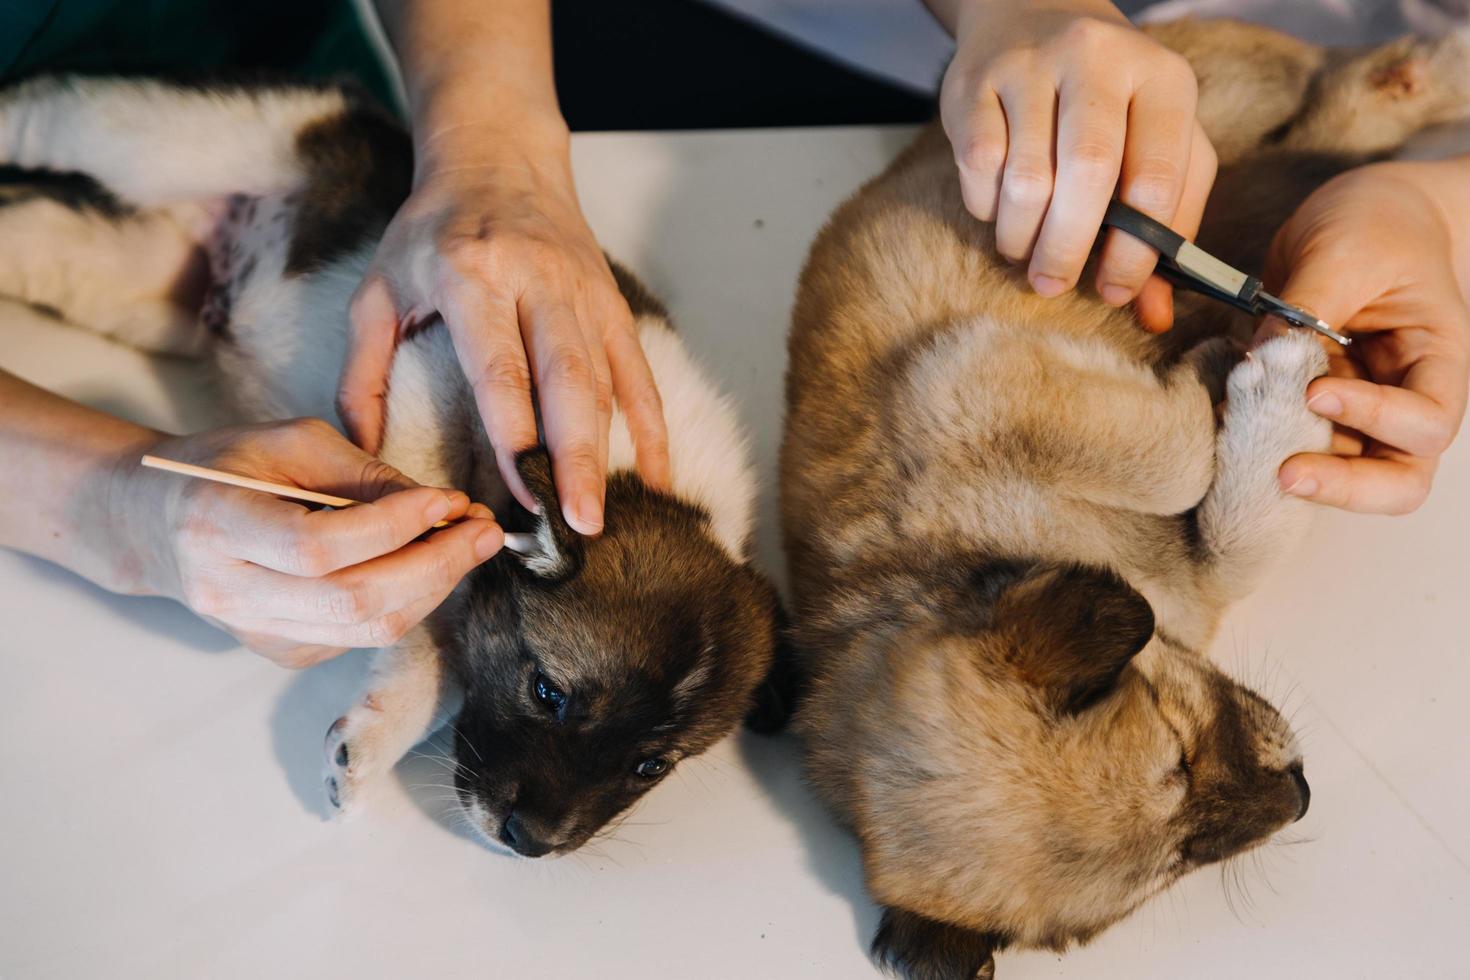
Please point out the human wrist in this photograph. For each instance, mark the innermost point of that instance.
(121, 508)
(454, 129)
(477, 98)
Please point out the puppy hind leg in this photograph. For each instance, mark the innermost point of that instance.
(151, 143)
(1246, 520)
(1370, 104)
(1077, 417)
(136, 276)
(917, 948)
(408, 697)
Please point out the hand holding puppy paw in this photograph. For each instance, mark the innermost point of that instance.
(1375, 252)
(296, 585)
(1050, 107)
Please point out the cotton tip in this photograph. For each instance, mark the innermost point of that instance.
(521, 544)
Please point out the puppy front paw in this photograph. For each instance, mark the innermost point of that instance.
(352, 758)
(1266, 396)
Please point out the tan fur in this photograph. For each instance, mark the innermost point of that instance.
(981, 488)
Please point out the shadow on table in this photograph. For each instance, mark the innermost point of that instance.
(427, 775)
(831, 853)
(162, 617)
(316, 698)
(736, 237)
(723, 246)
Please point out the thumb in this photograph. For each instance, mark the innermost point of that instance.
(348, 471)
(362, 393)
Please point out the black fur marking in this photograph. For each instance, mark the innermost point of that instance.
(1170, 640)
(1192, 536)
(640, 300)
(76, 191)
(1235, 803)
(990, 580)
(917, 948)
(779, 695)
(359, 169)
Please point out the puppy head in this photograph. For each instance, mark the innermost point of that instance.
(1028, 761)
(593, 666)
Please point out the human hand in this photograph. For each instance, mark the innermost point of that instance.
(493, 240)
(292, 584)
(1371, 252)
(1050, 108)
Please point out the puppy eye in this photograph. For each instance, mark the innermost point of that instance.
(548, 693)
(653, 768)
(1184, 766)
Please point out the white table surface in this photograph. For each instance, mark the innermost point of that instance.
(161, 813)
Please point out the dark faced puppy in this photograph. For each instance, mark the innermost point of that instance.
(593, 667)
(588, 666)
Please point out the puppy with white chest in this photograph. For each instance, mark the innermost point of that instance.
(1014, 524)
(582, 671)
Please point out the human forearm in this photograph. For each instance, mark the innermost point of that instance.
(493, 239)
(293, 584)
(61, 462)
(478, 75)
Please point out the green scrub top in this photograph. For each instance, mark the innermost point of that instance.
(316, 39)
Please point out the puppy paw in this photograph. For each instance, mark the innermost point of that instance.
(917, 948)
(351, 760)
(1266, 396)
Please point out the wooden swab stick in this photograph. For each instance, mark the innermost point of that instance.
(519, 543)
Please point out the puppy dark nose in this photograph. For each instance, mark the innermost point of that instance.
(518, 837)
(1303, 791)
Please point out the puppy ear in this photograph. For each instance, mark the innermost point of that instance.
(909, 945)
(777, 697)
(550, 550)
(1071, 629)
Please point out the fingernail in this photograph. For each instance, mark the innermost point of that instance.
(1048, 286)
(438, 509)
(480, 512)
(1325, 403)
(1114, 295)
(1303, 486)
(488, 543)
(586, 518)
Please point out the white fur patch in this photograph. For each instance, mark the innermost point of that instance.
(201, 143)
(708, 449)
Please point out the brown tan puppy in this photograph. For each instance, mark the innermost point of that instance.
(1014, 524)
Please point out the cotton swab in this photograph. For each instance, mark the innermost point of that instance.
(519, 543)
